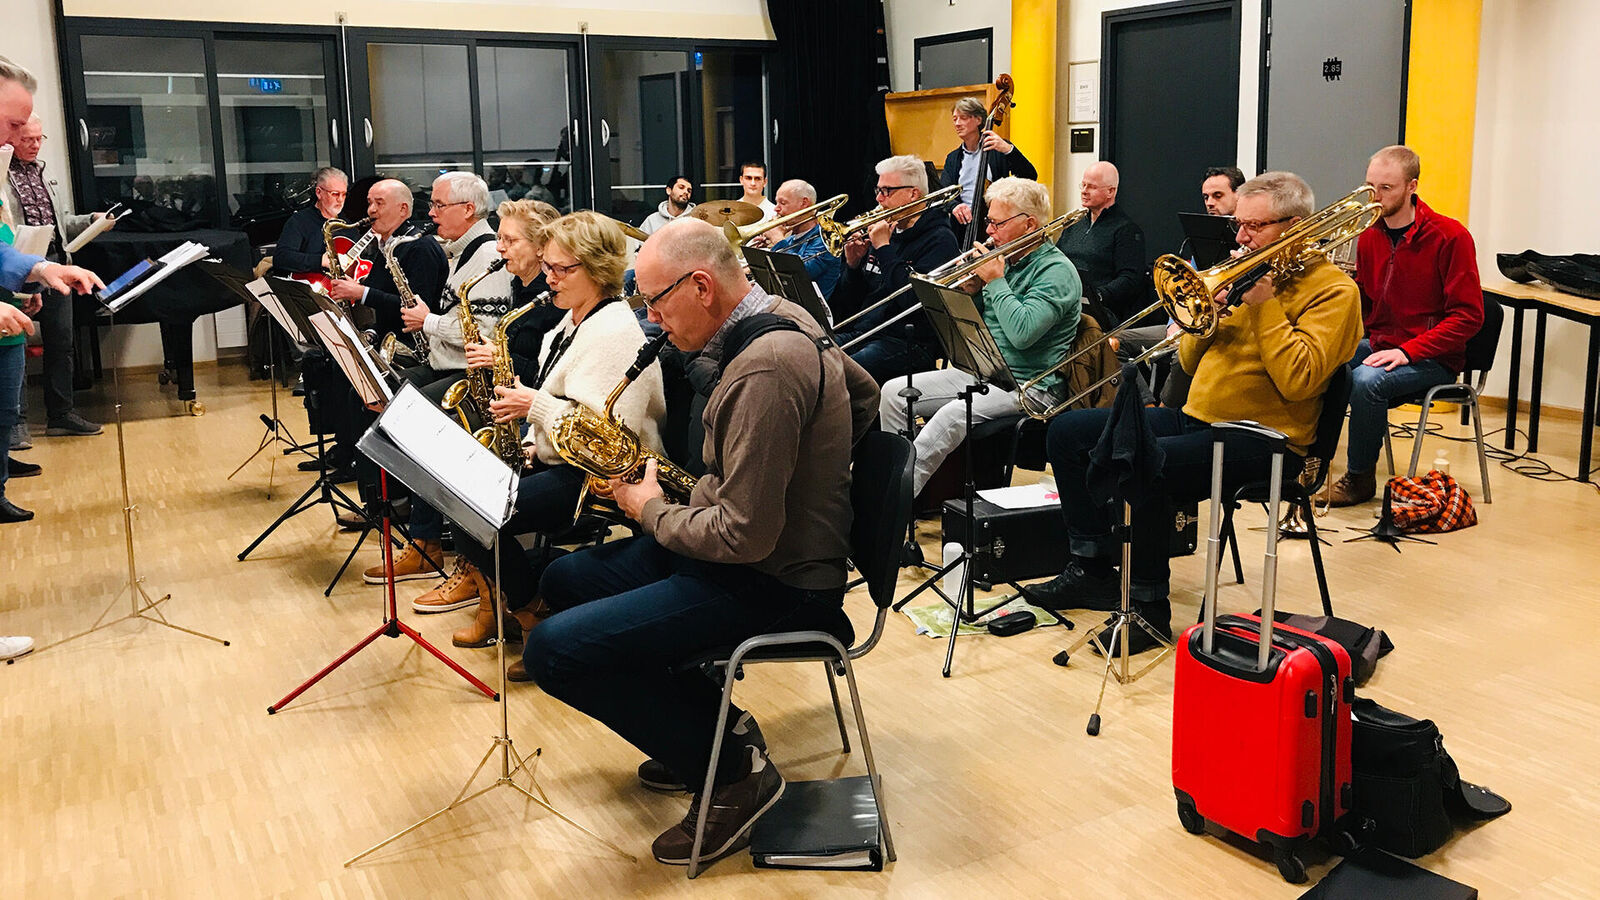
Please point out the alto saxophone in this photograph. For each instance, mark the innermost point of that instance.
(391, 346)
(605, 448)
(476, 388)
(505, 438)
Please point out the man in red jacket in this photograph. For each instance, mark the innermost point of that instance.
(1418, 273)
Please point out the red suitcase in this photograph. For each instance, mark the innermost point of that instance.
(1261, 712)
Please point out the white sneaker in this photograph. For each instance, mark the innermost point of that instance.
(13, 647)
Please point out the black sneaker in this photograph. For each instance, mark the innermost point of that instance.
(657, 776)
(1139, 640)
(311, 465)
(1076, 589)
(734, 808)
(72, 425)
(16, 468)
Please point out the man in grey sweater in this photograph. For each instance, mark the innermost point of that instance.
(759, 547)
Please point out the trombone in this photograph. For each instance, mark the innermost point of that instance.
(962, 269)
(835, 235)
(1186, 295)
(742, 236)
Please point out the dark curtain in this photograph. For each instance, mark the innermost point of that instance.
(831, 72)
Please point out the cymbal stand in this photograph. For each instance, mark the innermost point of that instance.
(964, 607)
(140, 603)
(501, 742)
(277, 432)
(390, 626)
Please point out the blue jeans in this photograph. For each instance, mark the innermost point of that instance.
(1186, 478)
(1371, 389)
(630, 612)
(13, 367)
(545, 503)
(891, 357)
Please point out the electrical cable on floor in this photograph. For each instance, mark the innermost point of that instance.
(1517, 463)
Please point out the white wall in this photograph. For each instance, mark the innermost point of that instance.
(907, 20)
(1535, 183)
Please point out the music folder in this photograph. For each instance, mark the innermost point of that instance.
(820, 825)
(968, 345)
(146, 274)
(441, 462)
(784, 275)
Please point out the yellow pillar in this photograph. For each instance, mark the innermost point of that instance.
(1033, 66)
(1442, 99)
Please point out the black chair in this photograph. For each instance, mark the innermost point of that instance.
(880, 497)
(1330, 424)
(1480, 355)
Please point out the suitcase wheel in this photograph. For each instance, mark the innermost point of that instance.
(1290, 866)
(1192, 821)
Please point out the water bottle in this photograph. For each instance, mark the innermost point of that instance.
(952, 578)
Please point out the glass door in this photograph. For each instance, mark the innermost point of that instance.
(731, 121)
(641, 128)
(145, 135)
(418, 123)
(527, 119)
(280, 124)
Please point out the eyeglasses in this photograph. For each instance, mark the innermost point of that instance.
(881, 191)
(550, 268)
(996, 225)
(1257, 227)
(437, 205)
(651, 301)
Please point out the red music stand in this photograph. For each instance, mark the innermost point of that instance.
(391, 626)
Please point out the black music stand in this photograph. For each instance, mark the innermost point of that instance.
(784, 275)
(1386, 531)
(970, 348)
(1210, 238)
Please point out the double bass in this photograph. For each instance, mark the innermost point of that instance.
(997, 115)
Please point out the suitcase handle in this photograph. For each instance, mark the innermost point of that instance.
(1278, 443)
(1232, 656)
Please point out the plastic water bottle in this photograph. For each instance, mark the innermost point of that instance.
(952, 578)
(1441, 463)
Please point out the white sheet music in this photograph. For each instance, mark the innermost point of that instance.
(175, 259)
(347, 355)
(274, 307)
(453, 456)
(33, 240)
(367, 362)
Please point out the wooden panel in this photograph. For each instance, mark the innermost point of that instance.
(919, 121)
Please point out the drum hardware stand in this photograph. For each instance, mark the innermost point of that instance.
(391, 626)
(141, 606)
(964, 608)
(501, 742)
(277, 432)
(1386, 531)
(1122, 622)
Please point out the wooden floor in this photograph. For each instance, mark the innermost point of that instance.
(140, 762)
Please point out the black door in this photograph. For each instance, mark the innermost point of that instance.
(1170, 102)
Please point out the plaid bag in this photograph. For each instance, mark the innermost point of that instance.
(1431, 504)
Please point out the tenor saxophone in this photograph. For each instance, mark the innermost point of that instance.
(476, 388)
(391, 346)
(505, 438)
(605, 448)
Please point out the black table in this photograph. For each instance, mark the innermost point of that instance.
(175, 303)
(1546, 301)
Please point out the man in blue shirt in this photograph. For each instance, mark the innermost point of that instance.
(805, 237)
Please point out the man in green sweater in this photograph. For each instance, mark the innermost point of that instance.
(1030, 306)
(1269, 360)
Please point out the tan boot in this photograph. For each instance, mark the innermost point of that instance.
(459, 591)
(527, 619)
(484, 628)
(410, 565)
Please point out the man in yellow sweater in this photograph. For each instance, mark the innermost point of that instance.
(1269, 360)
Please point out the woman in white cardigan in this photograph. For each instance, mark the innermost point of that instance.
(582, 360)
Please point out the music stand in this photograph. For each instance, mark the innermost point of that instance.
(246, 288)
(120, 292)
(471, 486)
(1386, 531)
(1210, 238)
(784, 275)
(970, 348)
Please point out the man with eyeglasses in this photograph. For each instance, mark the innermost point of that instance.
(1030, 307)
(1269, 361)
(1108, 248)
(759, 547)
(300, 247)
(881, 263)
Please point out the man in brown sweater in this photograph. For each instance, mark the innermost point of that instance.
(759, 547)
(1269, 360)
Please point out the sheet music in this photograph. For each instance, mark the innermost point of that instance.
(449, 453)
(175, 259)
(96, 228)
(260, 290)
(33, 240)
(368, 364)
(350, 360)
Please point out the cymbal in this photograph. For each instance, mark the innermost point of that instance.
(735, 212)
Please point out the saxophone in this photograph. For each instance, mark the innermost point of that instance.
(505, 438)
(476, 388)
(606, 448)
(391, 347)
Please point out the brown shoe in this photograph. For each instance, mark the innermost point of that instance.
(410, 565)
(1353, 488)
(484, 629)
(518, 672)
(459, 591)
(734, 808)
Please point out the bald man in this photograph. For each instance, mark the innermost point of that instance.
(1108, 249)
(423, 261)
(805, 237)
(759, 547)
